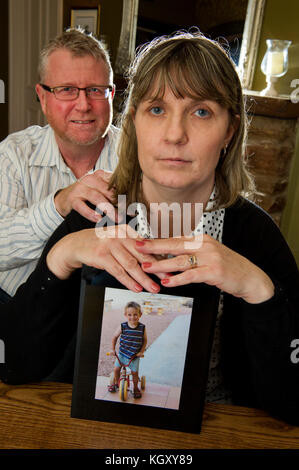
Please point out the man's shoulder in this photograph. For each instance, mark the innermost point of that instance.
(25, 140)
(113, 131)
(30, 133)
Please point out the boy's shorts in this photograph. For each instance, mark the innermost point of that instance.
(134, 366)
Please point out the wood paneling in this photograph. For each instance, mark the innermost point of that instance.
(4, 70)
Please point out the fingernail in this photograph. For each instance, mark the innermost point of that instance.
(138, 287)
(165, 281)
(146, 265)
(138, 243)
(155, 287)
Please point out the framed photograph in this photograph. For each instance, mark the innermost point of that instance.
(164, 385)
(88, 19)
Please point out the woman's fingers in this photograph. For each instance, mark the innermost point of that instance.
(173, 246)
(177, 263)
(129, 268)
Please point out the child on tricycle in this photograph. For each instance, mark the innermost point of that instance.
(132, 344)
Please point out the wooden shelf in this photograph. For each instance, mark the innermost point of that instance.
(280, 107)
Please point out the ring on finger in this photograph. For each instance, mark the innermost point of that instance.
(192, 260)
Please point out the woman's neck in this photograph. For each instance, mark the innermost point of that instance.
(174, 211)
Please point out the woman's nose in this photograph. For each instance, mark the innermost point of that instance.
(176, 130)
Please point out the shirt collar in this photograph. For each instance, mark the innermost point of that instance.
(144, 230)
(47, 151)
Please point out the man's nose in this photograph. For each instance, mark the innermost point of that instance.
(176, 130)
(83, 102)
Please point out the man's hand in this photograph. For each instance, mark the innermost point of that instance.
(91, 187)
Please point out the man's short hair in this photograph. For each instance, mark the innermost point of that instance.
(79, 44)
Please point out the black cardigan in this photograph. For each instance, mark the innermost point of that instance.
(38, 326)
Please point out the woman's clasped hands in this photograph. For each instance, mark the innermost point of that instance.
(212, 263)
(112, 249)
(127, 257)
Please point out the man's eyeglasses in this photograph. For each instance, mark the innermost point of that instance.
(69, 93)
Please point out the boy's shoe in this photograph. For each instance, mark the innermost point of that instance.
(112, 388)
(137, 394)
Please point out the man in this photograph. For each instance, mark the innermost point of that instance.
(46, 172)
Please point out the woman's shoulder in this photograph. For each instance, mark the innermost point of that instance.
(247, 212)
(251, 231)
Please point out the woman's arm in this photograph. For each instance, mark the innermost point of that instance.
(257, 332)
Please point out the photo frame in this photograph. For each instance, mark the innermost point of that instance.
(173, 370)
(88, 19)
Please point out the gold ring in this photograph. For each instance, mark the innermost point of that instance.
(192, 261)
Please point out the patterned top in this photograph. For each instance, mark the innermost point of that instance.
(31, 171)
(131, 339)
(211, 224)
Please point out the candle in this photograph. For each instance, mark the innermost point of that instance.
(275, 63)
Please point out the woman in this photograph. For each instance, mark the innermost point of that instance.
(182, 141)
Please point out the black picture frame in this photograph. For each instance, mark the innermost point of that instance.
(187, 417)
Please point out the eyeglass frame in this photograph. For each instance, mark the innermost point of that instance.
(52, 90)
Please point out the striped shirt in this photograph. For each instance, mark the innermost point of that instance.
(31, 171)
(131, 339)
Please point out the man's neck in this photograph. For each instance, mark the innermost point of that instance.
(81, 158)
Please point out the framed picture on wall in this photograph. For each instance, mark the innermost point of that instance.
(88, 19)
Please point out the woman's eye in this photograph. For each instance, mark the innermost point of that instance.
(202, 112)
(156, 110)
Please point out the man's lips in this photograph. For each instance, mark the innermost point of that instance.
(82, 121)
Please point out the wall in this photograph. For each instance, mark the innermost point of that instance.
(290, 219)
(281, 22)
(4, 70)
(110, 19)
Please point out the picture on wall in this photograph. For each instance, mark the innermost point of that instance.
(88, 19)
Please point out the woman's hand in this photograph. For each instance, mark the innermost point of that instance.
(216, 265)
(112, 249)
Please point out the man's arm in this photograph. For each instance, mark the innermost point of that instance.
(23, 230)
(39, 322)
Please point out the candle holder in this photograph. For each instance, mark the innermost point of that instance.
(274, 64)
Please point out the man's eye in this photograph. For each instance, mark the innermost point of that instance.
(156, 110)
(67, 89)
(95, 89)
(202, 112)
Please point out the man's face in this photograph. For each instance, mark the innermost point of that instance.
(82, 121)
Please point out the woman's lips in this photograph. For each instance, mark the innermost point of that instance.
(175, 161)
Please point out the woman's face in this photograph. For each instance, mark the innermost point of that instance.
(179, 144)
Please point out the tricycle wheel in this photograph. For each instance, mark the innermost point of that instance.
(123, 390)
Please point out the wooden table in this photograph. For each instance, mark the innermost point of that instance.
(37, 416)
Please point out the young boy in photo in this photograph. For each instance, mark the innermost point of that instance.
(132, 344)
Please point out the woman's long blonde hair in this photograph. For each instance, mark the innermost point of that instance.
(193, 66)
